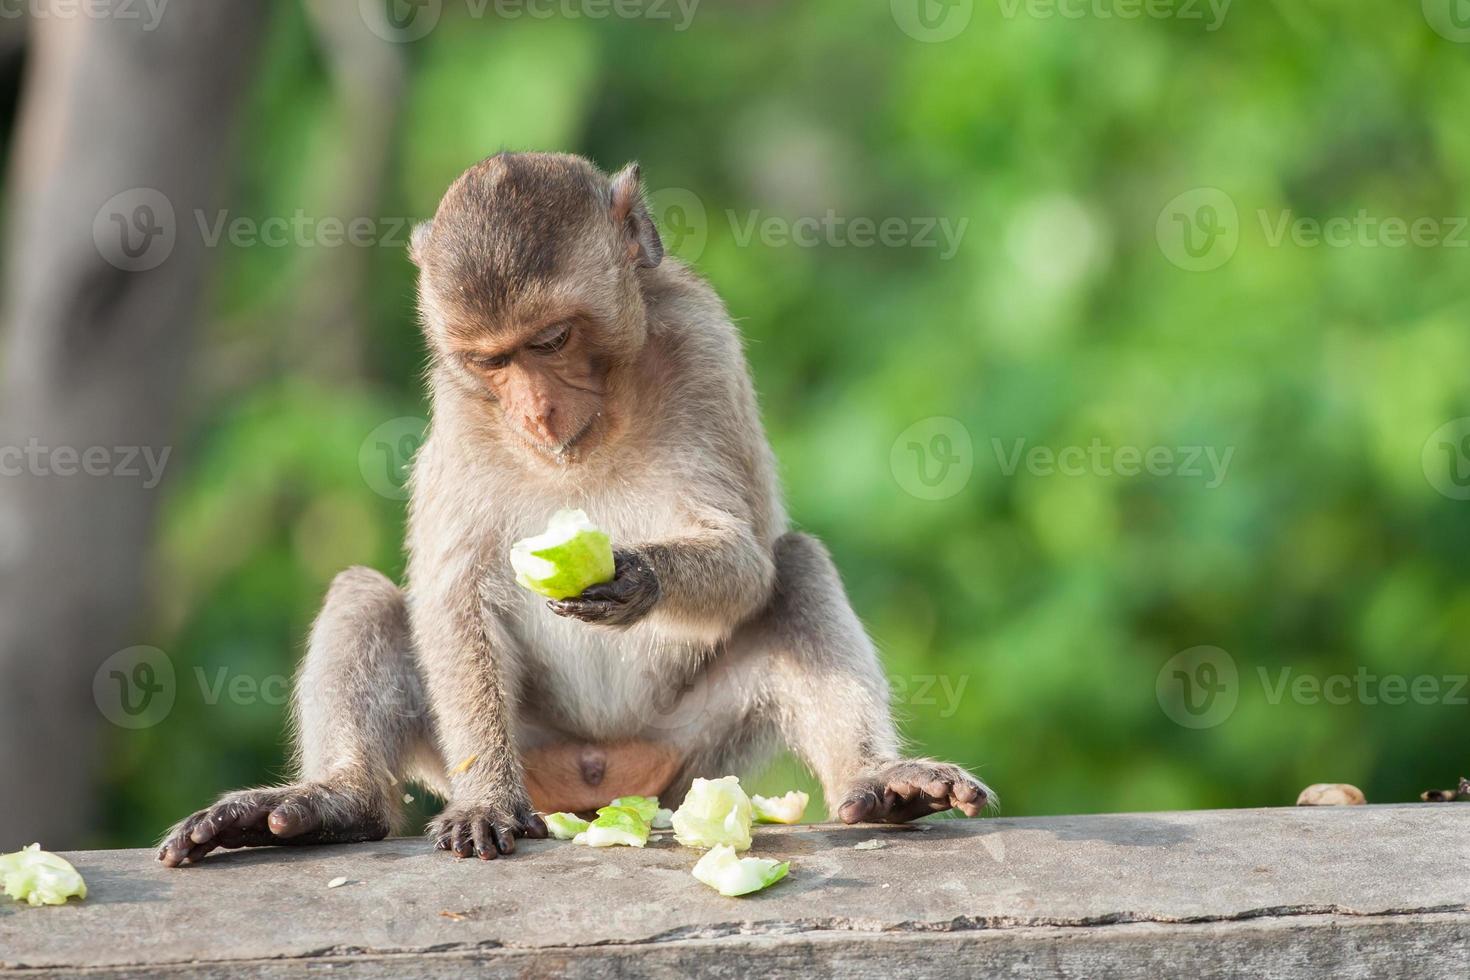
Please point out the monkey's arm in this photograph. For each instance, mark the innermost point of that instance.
(467, 662)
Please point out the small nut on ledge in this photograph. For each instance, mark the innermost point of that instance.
(1331, 794)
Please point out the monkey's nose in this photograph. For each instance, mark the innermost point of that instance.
(539, 424)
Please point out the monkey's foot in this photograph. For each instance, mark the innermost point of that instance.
(307, 813)
(901, 791)
(486, 829)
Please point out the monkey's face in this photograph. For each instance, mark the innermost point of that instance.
(550, 385)
(532, 297)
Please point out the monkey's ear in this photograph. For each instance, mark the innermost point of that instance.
(418, 242)
(630, 213)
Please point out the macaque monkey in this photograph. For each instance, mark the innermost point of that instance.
(573, 365)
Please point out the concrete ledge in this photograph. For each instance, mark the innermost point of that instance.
(1351, 892)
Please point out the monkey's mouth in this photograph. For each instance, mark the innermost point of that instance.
(567, 451)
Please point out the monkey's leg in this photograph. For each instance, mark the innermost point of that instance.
(362, 725)
(805, 671)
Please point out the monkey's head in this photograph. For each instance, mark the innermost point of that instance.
(530, 293)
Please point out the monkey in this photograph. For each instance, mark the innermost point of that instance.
(571, 363)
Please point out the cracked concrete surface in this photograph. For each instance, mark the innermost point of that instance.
(1355, 891)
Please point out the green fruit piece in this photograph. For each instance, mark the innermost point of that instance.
(716, 811)
(646, 806)
(615, 825)
(780, 809)
(568, 558)
(565, 826)
(731, 876)
(39, 877)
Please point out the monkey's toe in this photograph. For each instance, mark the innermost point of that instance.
(907, 790)
(262, 818)
(486, 830)
(292, 819)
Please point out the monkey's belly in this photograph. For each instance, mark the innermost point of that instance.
(578, 776)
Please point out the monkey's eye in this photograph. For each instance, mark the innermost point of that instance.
(553, 343)
(494, 363)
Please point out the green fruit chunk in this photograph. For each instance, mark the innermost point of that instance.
(645, 806)
(39, 877)
(716, 811)
(780, 809)
(565, 826)
(615, 825)
(731, 876)
(568, 558)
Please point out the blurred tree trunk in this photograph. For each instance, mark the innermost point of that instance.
(93, 359)
(368, 77)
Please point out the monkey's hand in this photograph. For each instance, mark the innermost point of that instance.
(901, 791)
(487, 829)
(630, 596)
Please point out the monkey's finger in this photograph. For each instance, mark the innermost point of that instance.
(968, 792)
(176, 851)
(585, 610)
(463, 841)
(171, 854)
(535, 827)
(903, 790)
(968, 808)
(505, 840)
(856, 809)
(204, 831)
(176, 848)
(484, 842)
(199, 850)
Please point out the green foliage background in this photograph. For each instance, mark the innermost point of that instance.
(1047, 603)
